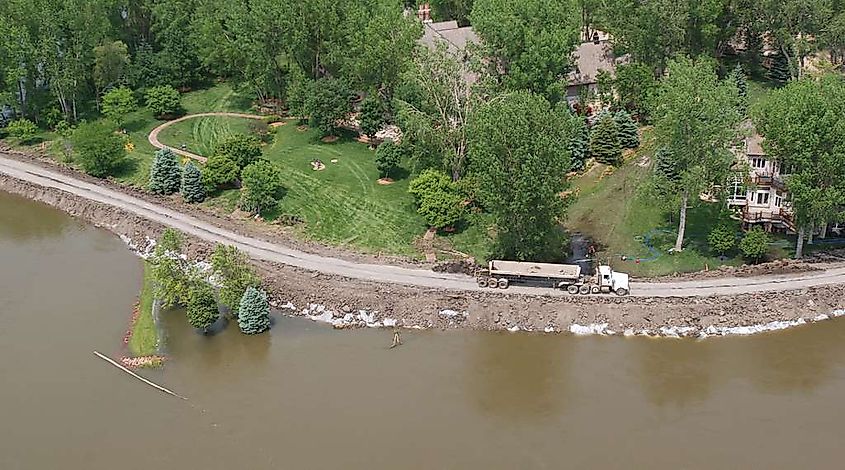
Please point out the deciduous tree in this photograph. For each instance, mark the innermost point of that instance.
(231, 269)
(262, 182)
(99, 151)
(437, 197)
(170, 272)
(388, 158)
(519, 148)
(696, 120)
(242, 148)
(220, 171)
(755, 244)
(329, 103)
(117, 103)
(202, 306)
(163, 101)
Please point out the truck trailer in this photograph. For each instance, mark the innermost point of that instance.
(502, 274)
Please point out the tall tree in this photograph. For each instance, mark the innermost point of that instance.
(528, 42)
(696, 120)
(111, 64)
(170, 272)
(434, 107)
(519, 147)
(803, 125)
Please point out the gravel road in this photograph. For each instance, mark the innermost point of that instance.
(263, 250)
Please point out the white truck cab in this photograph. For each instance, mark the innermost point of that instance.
(610, 281)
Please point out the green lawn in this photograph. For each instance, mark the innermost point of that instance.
(201, 135)
(615, 212)
(144, 339)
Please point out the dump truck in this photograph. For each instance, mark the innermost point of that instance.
(502, 274)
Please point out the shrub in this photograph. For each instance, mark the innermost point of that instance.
(243, 149)
(261, 130)
(220, 171)
(163, 101)
(192, 189)
(165, 174)
(117, 103)
(329, 103)
(388, 158)
(722, 239)
(22, 129)
(202, 307)
(438, 200)
(262, 182)
(755, 244)
(99, 151)
(604, 141)
(254, 312)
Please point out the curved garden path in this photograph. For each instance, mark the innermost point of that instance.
(153, 137)
(265, 250)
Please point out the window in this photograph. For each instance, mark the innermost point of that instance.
(758, 162)
(778, 201)
(762, 198)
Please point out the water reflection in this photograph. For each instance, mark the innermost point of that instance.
(797, 360)
(18, 222)
(519, 377)
(674, 372)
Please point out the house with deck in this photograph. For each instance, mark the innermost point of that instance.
(589, 59)
(759, 197)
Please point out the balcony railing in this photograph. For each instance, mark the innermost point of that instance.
(768, 179)
(781, 217)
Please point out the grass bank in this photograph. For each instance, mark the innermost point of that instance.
(143, 339)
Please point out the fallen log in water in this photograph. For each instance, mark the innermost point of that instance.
(148, 382)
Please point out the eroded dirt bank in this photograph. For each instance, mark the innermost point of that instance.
(477, 310)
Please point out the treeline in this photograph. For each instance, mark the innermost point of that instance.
(59, 56)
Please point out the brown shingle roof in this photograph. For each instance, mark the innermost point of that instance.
(591, 58)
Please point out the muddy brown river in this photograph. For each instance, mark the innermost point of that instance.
(309, 397)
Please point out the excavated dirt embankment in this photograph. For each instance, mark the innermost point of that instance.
(314, 293)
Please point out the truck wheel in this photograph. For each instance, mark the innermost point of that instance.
(503, 283)
(492, 283)
(595, 289)
(621, 291)
(482, 282)
(572, 289)
(584, 290)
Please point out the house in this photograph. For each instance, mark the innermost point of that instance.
(759, 197)
(455, 38)
(589, 59)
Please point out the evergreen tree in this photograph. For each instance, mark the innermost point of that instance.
(192, 189)
(665, 165)
(165, 174)
(738, 77)
(254, 312)
(779, 70)
(604, 141)
(629, 138)
(202, 307)
(579, 144)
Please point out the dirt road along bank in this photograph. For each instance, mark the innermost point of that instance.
(416, 296)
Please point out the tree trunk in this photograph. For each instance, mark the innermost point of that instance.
(823, 233)
(799, 244)
(810, 233)
(682, 224)
(22, 91)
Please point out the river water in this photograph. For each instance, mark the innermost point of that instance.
(306, 396)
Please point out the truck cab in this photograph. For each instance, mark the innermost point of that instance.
(610, 281)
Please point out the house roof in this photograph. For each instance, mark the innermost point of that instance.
(754, 145)
(591, 58)
(456, 38)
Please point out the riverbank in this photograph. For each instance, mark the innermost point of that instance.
(142, 337)
(319, 294)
